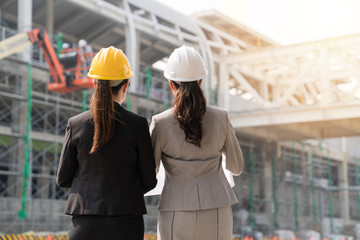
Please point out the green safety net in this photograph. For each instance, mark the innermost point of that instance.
(313, 195)
(251, 197)
(275, 214)
(59, 43)
(148, 87)
(128, 102)
(295, 187)
(358, 184)
(213, 97)
(331, 211)
(148, 82)
(165, 105)
(26, 173)
(84, 100)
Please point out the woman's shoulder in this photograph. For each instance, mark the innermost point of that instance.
(215, 109)
(133, 116)
(212, 110)
(80, 118)
(126, 115)
(167, 114)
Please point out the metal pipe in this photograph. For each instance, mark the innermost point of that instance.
(358, 184)
(313, 186)
(295, 187)
(251, 197)
(276, 225)
(331, 212)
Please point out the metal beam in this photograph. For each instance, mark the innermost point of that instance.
(93, 29)
(293, 115)
(349, 188)
(240, 79)
(224, 35)
(69, 20)
(296, 83)
(298, 49)
(132, 44)
(5, 3)
(50, 16)
(92, 36)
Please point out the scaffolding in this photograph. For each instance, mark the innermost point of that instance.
(284, 184)
(297, 187)
(32, 125)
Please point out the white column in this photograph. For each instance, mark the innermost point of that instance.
(132, 45)
(20, 108)
(344, 182)
(25, 23)
(267, 180)
(50, 17)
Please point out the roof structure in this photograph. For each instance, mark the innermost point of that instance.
(248, 72)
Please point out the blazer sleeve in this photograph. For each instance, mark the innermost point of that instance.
(155, 140)
(68, 161)
(233, 155)
(146, 162)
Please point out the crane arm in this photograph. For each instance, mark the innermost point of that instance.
(42, 39)
(18, 43)
(14, 44)
(59, 82)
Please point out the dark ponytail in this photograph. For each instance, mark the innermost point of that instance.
(102, 111)
(189, 108)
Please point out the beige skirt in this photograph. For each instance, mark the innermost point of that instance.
(209, 224)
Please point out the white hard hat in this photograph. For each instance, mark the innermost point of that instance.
(65, 45)
(82, 43)
(185, 64)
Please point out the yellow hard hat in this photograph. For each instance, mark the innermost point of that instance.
(110, 64)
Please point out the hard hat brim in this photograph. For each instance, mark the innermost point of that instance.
(109, 78)
(185, 79)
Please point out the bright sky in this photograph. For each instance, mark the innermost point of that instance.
(285, 21)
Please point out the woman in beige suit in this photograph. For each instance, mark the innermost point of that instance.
(191, 140)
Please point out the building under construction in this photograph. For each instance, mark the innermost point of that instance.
(296, 109)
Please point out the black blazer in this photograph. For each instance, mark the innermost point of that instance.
(113, 180)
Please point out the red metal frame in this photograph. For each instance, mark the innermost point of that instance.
(57, 71)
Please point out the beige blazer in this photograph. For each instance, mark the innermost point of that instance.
(194, 178)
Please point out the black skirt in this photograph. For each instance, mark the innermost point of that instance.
(90, 227)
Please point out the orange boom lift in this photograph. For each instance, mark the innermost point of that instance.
(67, 73)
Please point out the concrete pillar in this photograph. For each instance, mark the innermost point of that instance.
(133, 53)
(267, 182)
(312, 190)
(20, 108)
(43, 184)
(344, 182)
(132, 45)
(50, 17)
(223, 89)
(25, 23)
(18, 126)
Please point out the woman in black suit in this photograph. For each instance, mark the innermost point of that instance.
(107, 158)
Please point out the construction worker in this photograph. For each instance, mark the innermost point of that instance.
(86, 53)
(190, 139)
(107, 159)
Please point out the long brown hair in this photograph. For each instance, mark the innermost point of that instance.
(102, 111)
(189, 108)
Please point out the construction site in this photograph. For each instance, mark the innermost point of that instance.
(295, 110)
